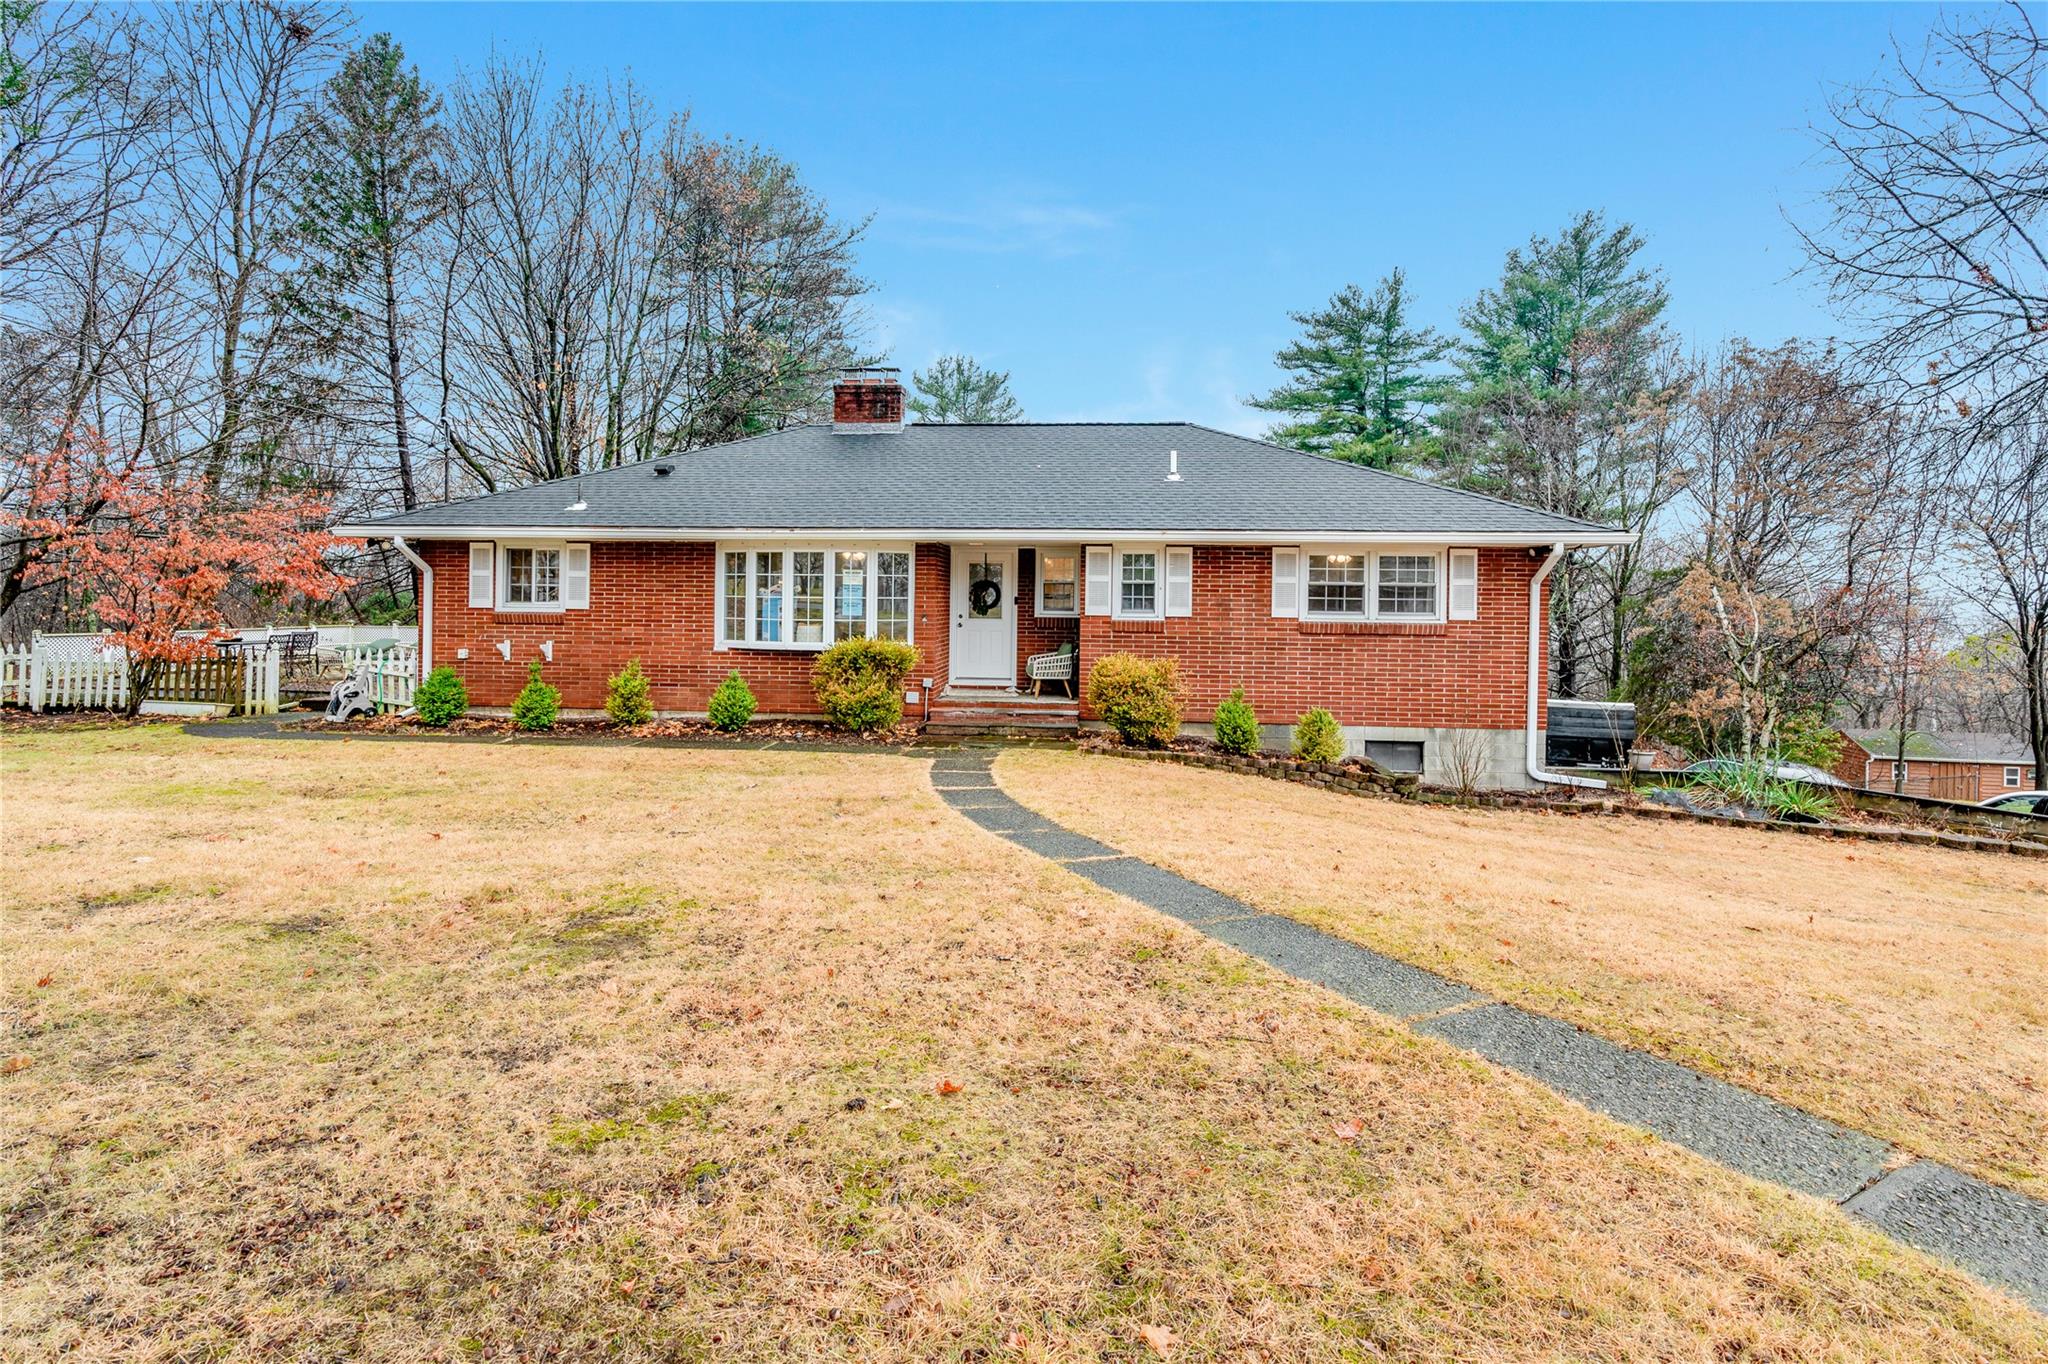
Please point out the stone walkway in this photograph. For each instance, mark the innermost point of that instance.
(1997, 1234)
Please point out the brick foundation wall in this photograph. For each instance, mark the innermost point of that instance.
(656, 602)
(1462, 674)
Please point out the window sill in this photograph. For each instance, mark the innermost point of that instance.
(521, 609)
(1373, 627)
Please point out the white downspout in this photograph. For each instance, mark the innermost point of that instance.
(426, 604)
(1538, 676)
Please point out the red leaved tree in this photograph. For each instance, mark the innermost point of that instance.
(154, 553)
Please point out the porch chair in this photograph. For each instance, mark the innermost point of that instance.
(1057, 666)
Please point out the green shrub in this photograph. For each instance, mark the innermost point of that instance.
(626, 698)
(1752, 782)
(732, 705)
(1237, 725)
(1317, 739)
(440, 698)
(859, 682)
(538, 705)
(1140, 698)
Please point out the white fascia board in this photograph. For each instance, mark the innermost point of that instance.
(1065, 535)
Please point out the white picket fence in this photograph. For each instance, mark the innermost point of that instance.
(38, 677)
(394, 674)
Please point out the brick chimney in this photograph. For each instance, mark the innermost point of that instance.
(867, 402)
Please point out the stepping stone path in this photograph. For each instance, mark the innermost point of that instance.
(1997, 1234)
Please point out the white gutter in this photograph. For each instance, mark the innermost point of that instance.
(1044, 535)
(1538, 677)
(426, 603)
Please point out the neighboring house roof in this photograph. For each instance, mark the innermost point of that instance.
(1023, 478)
(1945, 745)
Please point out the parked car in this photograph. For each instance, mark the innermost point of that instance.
(2017, 803)
(1799, 772)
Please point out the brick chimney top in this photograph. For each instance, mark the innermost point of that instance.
(868, 401)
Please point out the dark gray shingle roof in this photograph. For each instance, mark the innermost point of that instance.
(1027, 476)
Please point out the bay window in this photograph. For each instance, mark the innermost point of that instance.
(812, 596)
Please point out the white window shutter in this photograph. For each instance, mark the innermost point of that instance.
(1286, 581)
(576, 576)
(481, 555)
(1464, 576)
(1180, 580)
(1099, 584)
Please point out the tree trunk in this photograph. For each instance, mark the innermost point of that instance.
(395, 374)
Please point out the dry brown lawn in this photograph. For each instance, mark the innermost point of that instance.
(434, 1052)
(1899, 990)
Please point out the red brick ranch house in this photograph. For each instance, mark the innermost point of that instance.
(1413, 612)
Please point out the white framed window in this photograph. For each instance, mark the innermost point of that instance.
(533, 576)
(1407, 587)
(2012, 776)
(810, 596)
(1137, 582)
(1336, 584)
(538, 575)
(1058, 589)
(1356, 583)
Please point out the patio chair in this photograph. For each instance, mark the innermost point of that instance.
(1057, 666)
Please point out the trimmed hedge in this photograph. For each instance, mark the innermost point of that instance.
(1140, 698)
(538, 705)
(732, 705)
(440, 698)
(1317, 739)
(627, 696)
(859, 682)
(1237, 725)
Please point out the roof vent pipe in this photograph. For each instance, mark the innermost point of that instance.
(1173, 466)
(579, 504)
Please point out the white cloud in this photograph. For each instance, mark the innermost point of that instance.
(1039, 222)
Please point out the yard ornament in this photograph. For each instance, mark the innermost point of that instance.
(353, 695)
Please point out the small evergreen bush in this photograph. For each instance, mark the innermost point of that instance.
(1317, 739)
(440, 698)
(1140, 698)
(626, 698)
(859, 682)
(1237, 725)
(732, 705)
(538, 705)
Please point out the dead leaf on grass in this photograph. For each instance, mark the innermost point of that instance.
(1159, 1338)
(14, 1063)
(1351, 1129)
(948, 1087)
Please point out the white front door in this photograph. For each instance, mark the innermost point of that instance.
(984, 644)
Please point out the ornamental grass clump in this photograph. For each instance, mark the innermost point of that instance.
(859, 682)
(441, 698)
(1140, 698)
(732, 705)
(1317, 738)
(1237, 725)
(538, 705)
(627, 696)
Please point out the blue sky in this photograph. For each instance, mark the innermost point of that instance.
(1120, 205)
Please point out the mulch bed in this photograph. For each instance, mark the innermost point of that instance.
(16, 720)
(802, 731)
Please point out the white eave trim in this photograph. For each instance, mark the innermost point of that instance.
(1065, 535)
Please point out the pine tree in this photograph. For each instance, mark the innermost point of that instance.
(1363, 386)
(957, 389)
(370, 189)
